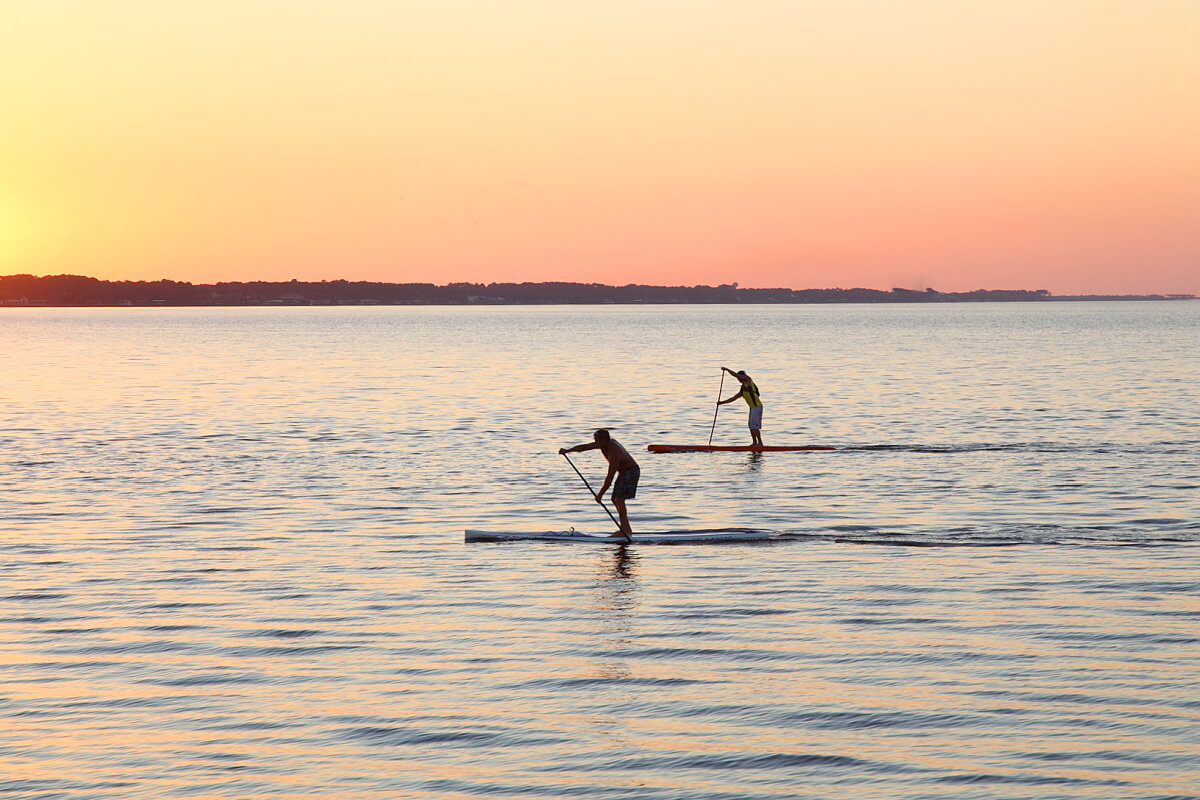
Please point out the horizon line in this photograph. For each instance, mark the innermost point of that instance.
(734, 286)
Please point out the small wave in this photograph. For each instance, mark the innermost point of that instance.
(844, 720)
(1027, 780)
(207, 679)
(405, 736)
(124, 648)
(732, 612)
(171, 628)
(285, 633)
(54, 666)
(1105, 756)
(229, 548)
(50, 787)
(690, 653)
(892, 621)
(1151, 587)
(120, 703)
(250, 725)
(750, 762)
(1145, 533)
(284, 651)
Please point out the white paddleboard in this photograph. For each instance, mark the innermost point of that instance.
(711, 536)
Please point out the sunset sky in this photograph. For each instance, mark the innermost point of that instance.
(953, 144)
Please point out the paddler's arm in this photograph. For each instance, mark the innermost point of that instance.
(577, 448)
(731, 399)
(607, 480)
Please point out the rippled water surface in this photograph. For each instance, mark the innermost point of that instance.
(232, 559)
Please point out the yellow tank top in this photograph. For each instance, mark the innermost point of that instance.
(750, 395)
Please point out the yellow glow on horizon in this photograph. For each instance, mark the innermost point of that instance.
(13, 232)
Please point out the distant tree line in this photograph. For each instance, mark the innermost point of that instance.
(77, 290)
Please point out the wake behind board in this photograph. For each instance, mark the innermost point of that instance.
(745, 448)
(712, 536)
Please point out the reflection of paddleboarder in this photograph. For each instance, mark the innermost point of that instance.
(749, 393)
(622, 466)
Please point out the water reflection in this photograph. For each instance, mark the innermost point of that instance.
(616, 583)
(622, 566)
(616, 607)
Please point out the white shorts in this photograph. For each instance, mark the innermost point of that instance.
(756, 418)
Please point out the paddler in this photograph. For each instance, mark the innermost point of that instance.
(749, 393)
(621, 466)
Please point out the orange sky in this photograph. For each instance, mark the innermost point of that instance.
(957, 144)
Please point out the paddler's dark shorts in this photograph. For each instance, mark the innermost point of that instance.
(626, 486)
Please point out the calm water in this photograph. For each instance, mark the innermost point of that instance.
(231, 556)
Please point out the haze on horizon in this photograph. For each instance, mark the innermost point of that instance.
(956, 145)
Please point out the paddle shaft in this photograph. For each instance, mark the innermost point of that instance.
(589, 488)
(718, 407)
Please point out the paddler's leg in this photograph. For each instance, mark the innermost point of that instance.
(619, 502)
(756, 425)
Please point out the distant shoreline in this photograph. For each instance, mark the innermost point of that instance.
(72, 291)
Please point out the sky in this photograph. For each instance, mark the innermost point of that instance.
(947, 144)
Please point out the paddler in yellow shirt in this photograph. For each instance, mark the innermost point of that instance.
(749, 393)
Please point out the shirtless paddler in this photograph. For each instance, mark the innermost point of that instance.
(621, 466)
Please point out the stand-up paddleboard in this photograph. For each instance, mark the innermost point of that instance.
(711, 536)
(745, 448)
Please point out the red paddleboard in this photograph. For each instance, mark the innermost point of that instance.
(745, 448)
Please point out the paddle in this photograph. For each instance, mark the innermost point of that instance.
(718, 408)
(589, 488)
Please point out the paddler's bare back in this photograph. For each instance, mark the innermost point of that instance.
(618, 457)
